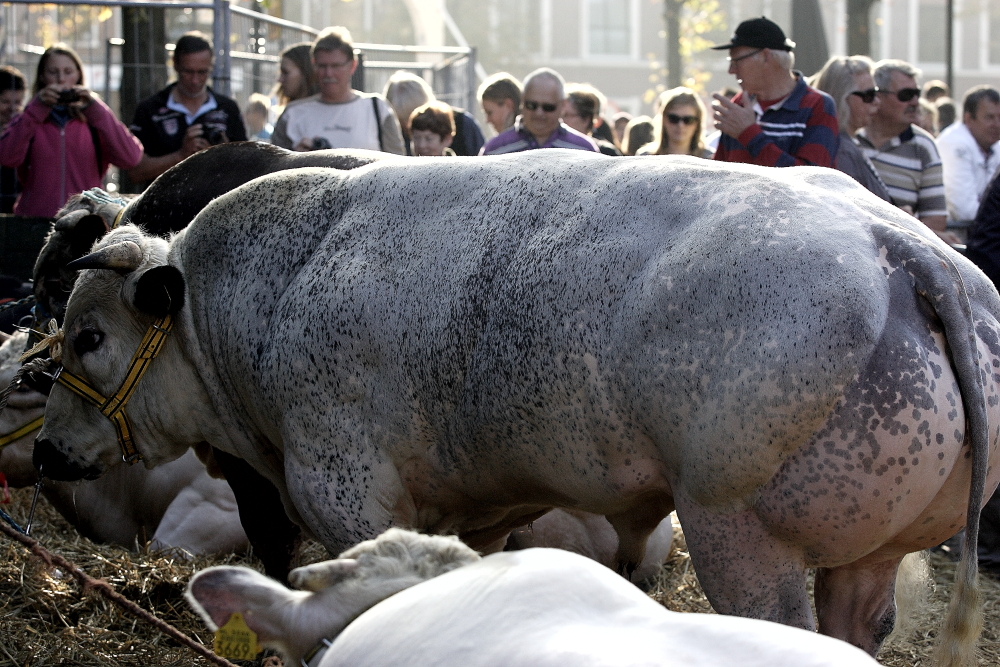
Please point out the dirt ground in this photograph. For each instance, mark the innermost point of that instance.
(45, 618)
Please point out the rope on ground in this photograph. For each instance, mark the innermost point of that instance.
(20, 302)
(108, 591)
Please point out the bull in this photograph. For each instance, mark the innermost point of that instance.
(459, 346)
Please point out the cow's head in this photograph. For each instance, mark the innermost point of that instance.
(127, 285)
(83, 220)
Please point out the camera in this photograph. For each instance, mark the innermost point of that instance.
(213, 135)
(67, 96)
(320, 143)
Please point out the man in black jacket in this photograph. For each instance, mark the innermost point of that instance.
(185, 117)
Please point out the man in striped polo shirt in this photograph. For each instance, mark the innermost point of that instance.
(904, 154)
(540, 124)
(777, 120)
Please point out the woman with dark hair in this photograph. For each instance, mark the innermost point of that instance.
(65, 139)
(296, 78)
(679, 127)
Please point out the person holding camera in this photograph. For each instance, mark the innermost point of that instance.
(185, 117)
(65, 139)
(338, 116)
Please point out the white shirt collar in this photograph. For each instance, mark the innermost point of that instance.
(209, 104)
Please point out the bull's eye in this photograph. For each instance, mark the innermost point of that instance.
(87, 340)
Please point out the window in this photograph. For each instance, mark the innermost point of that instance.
(930, 33)
(609, 27)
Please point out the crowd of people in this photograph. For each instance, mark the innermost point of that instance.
(870, 120)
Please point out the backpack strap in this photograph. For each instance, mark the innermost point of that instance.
(378, 122)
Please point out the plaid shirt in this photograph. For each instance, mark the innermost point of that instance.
(801, 129)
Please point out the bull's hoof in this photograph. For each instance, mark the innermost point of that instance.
(57, 466)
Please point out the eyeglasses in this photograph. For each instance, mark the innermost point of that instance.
(533, 106)
(867, 96)
(333, 65)
(903, 94)
(744, 57)
(674, 119)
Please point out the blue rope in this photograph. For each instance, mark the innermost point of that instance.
(6, 517)
(102, 197)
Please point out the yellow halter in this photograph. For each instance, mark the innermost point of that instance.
(21, 432)
(114, 408)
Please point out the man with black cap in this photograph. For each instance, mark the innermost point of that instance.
(777, 120)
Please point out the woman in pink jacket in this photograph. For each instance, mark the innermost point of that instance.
(65, 139)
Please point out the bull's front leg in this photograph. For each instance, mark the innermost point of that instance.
(345, 490)
(744, 570)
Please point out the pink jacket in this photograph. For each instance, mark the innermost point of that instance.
(54, 163)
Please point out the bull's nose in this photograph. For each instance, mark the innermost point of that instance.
(57, 466)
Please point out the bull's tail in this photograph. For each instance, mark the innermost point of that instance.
(938, 279)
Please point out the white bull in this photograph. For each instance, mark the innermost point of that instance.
(804, 372)
(415, 601)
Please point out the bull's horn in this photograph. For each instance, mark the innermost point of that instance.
(123, 257)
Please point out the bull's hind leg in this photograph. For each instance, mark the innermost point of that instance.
(857, 603)
(743, 570)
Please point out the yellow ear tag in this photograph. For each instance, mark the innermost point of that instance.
(236, 640)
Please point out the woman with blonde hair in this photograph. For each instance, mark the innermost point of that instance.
(849, 81)
(679, 127)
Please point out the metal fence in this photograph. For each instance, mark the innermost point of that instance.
(126, 46)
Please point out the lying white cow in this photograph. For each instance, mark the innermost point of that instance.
(173, 506)
(802, 371)
(592, 536)
(408, 600)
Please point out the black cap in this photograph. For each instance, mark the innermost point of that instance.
(759, 33)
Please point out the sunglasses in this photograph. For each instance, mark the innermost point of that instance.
(744, 57)
(868, 96)
(903, 94)
(674, 119)
(533, 106)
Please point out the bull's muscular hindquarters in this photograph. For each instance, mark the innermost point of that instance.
(435, 351)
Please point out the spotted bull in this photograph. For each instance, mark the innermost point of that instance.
(806, 374)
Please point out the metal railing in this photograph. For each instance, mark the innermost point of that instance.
(247, 43)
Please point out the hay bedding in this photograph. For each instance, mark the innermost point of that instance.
(45, 619)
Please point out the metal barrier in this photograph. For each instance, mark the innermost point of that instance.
(125, 47)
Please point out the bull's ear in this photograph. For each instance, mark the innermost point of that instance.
(159, 291)
(84, 233)
(319, 576)
(267, 606)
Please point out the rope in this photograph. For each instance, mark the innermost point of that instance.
(108, 591)
(52, 342)
(33, 366)
(20, 302)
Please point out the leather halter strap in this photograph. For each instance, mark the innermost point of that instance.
(118, 217)
(114, 407)
(21, 432)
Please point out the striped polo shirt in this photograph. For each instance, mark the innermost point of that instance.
(517, 138)
(911, 168)
(800, 129)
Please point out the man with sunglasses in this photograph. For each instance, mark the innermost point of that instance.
(540, 124)
(970, 154)
(777, 120)
(904, 154)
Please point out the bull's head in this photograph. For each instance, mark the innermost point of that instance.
(81, 222)
(126, 287)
